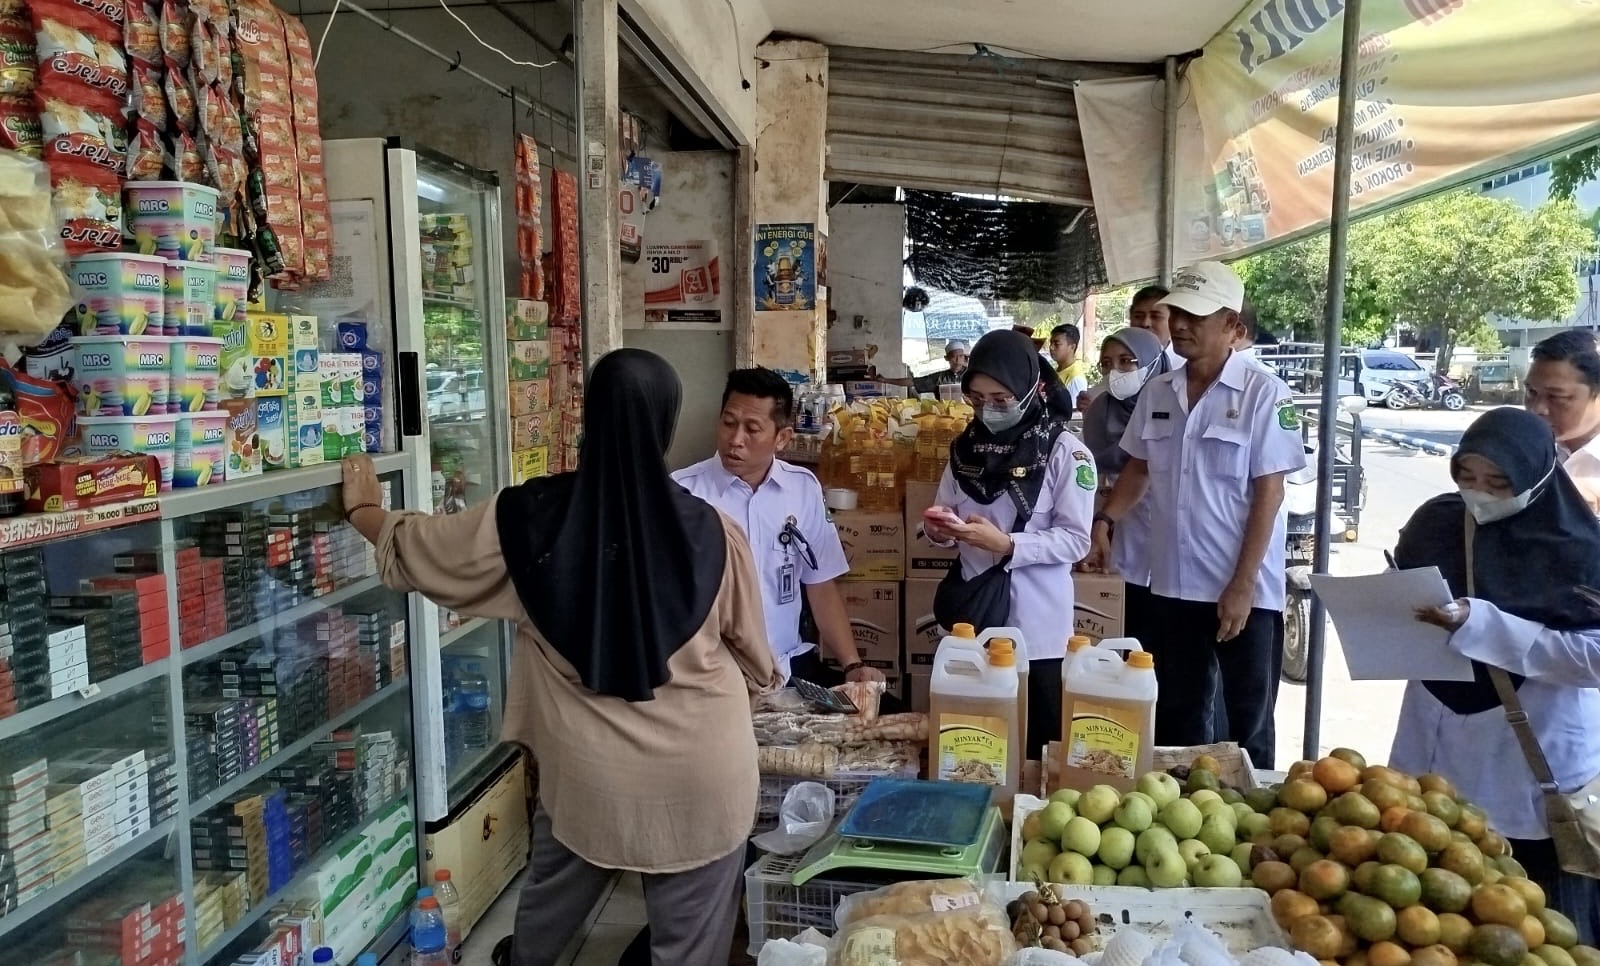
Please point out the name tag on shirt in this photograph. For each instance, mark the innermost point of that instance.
(786, 582)
(1160, 415)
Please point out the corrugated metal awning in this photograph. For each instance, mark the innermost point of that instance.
(952, 123)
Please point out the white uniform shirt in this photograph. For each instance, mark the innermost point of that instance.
(1480, 751)
(1055, 537)
(1583, 467)
(1202, 459)
(789, 493)
(1130, 544)
(1174, 361)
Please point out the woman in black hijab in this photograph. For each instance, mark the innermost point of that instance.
(1533, 541)
(1020, 490)
(639, 641)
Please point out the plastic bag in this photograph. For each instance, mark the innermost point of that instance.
(1042, 957)
(912, 898)
(803, 820)
(973, 936)
(810, 948)
(34, 293)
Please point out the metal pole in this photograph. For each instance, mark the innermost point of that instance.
(1169, 169)
(1328, 425)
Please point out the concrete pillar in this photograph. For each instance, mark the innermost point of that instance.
(600, 253)
(789, 186)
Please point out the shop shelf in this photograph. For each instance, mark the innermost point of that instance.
(289, 615)
(457, 634)
(95, 872)
(43, 714)
(223, 792)
(255, 912)
(183, 503)
(34, 529)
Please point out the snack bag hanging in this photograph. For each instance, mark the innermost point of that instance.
(530, 243)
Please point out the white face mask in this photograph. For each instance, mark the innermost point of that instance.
(1124, 385)
(1487, 508)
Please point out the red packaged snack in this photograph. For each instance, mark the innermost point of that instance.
(176, 26)
(529, 206)
(79, 51)
(180, 100)
(47, 411)
(19, 125)
(75, 133)
(141, 32)
(183, 158)
(77, 483)
(149, 101)
(146, 157)
(89, 200)
(19, 62)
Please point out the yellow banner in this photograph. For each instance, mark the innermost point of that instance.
(1443, 87)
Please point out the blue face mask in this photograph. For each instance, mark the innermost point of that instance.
(998, 419)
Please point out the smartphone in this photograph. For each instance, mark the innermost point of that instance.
(942, 516)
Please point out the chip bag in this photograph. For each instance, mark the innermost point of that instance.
(47, 411)
(34, 293)
(89, 201)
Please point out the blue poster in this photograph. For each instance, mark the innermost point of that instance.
(786, 267)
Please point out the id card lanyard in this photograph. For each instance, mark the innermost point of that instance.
(792, 541)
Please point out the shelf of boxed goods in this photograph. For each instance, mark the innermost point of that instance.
(94, 872)
(295, 884)
(42, 714)
(282, 618)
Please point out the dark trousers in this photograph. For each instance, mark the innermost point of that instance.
(1576, 897)
(1044, 707)
(1194, 671)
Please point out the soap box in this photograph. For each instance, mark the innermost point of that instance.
(255, 355)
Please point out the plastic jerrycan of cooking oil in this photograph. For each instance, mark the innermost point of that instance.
(1019, 645)
(1108, 715)
(974, 734)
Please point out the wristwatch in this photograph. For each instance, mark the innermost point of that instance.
(854, 666)
(1104, 518)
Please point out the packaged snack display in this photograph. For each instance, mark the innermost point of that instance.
(151, 435)
(315, 220)
(119, 294)
(190, 297)
(122, 375)
(173, 219)
(44, 410)
(76, 483)
(529, 210)
(196, 374)
(202, 449)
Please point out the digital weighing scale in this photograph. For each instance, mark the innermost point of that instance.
(913, 829)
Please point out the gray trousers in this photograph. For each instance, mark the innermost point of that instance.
(691, 914)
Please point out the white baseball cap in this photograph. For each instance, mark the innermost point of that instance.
(1204, 288)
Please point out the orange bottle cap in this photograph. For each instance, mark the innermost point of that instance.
(1002, 652)
(1142, 659)
(1077, 642)
(964, 630)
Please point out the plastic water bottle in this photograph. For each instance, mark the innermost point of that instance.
(472, 711)
(450, 904)
(428, 935)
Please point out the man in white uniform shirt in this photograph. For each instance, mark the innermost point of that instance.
(1563, 389)
(1211, 444)
(1149, 310)
(779, 506)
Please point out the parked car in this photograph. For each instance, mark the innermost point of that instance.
(1494, 382)
(456, 395)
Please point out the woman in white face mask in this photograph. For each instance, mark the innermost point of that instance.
(1017, 498)
(1529, 538)
(1129, 359)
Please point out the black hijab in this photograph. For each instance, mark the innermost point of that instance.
(1527, 564)
(986, 463)
(616, 564)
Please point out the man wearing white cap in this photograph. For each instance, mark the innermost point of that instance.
(955, 355)
(1211, 443)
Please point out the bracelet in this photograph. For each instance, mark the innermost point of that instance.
(856, 666)
(1104, 518)
(350, 513)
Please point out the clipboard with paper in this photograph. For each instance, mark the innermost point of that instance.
(1379, 634)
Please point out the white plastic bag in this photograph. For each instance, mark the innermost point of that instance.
(1042, 957)
(810, 948)
(803, 820)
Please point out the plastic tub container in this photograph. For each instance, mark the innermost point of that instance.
(232, 293)
(196, 374)
(173, 219)
(202, 449)
(117, 293)
(122, 375)
(153, 435)
(191, 297)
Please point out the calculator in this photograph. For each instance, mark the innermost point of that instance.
(822, 699)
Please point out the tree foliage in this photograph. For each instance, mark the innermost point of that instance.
(1445, 265)
(1442, 267)
(1572, 172)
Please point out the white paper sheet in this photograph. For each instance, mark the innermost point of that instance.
(1379, 633)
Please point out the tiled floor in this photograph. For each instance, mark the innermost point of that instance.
(621, 916)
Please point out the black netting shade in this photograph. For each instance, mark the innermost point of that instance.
(1019, 251)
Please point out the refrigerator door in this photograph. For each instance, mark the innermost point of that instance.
(451, 259)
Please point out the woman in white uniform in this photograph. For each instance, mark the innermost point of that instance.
(1019, 500)
(1533, 540)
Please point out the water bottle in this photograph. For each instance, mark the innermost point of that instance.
(428, 935)
(472, 710)
(450, 904)
(416, 906)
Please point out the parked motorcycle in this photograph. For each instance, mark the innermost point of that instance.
(1402, 395)
(1447, 392)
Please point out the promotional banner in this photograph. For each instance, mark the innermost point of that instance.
(1443, 87)
(683, 282)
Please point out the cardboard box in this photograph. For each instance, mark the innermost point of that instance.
(874, 609)
(530, 359)
(527, 319)
(874, 544)
(530, 464)
(922, 632)
(923, 559)
(534, 430)
(917, 683)
(1098, 602)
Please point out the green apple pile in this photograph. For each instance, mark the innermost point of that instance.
(1164, 834)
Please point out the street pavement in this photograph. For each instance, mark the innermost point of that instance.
(1362, 714)
(1433, 425)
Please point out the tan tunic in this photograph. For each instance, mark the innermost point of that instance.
(655, 786)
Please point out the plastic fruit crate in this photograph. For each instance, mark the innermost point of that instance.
(1241, 917)
(1237, 769)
